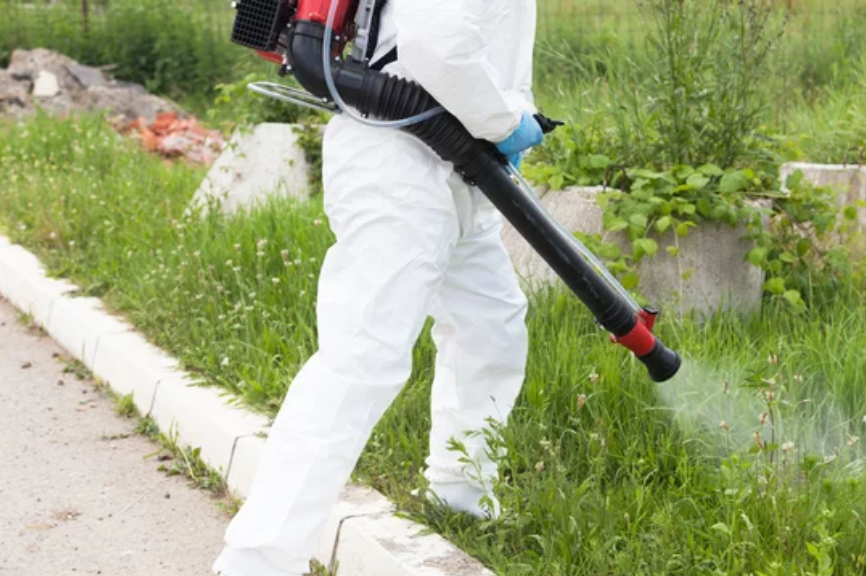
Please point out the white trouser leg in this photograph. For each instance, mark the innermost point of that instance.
(481, 338)
(395, 220)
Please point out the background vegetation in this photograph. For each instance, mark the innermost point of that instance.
(592, 66)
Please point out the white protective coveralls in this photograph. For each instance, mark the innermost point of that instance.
(413, 240)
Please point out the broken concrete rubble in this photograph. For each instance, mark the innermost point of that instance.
(57, 84)
(45, 85)
(45, 80)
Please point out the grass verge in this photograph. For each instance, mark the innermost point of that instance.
(748, 464)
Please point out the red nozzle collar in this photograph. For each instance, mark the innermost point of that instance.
(640, 340)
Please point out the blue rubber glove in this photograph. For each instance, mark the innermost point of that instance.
(515, 159)
(527, 135)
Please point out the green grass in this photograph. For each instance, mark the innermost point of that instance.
(604, 472)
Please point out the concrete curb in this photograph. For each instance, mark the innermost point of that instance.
(363, 537)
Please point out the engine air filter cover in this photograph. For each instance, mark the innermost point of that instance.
(258, 23)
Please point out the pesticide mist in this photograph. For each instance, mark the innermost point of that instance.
(736, 411)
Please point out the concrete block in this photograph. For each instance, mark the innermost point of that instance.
(24, 284)
(712, 257)
(202, 419)
(255, 165)
(354, 501)
(384, 545)
(710, 273)
(248, 452)
(849, 180)
(129, 364)
(78, 323)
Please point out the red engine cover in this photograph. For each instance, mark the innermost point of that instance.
(317, 11)
(270, 56)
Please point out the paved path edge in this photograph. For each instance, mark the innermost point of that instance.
(364, 537)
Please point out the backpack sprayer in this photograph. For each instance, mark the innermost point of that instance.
(308, 39)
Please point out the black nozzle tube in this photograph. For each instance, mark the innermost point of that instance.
(381, 95)
(661, 362)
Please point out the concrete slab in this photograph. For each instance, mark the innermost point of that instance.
(248, 452)
(131, 365)
(255, 165)
(355, 501)
(23, 281)
(78, 323)
(384, 545)
(203, 419)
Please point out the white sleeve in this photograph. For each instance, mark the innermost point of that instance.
(441, 46)
(525, 53)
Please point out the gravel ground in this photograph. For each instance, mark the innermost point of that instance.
(79, 493)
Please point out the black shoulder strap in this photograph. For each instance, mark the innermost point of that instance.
(373, 41)
(391, 56)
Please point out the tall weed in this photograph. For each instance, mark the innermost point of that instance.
(705, 92)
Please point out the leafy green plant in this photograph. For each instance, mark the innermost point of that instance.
(807, 240)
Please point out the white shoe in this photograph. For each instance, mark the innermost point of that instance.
(464, 497)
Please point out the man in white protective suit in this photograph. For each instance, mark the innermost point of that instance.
(413, 240)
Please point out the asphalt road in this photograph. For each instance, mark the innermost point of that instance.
(79, 493)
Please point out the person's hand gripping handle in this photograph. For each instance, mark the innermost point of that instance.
(529, 133)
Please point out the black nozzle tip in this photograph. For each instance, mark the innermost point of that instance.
(661, 362)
